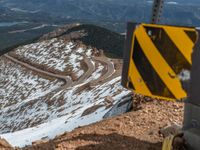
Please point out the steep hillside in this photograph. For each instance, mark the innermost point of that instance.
(144, 128)
(57, 84)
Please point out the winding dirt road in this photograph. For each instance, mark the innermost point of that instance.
(66, 79)
(110, 70)
(87, 74)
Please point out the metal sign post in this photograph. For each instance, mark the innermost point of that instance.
(157, 11)
(191, 125)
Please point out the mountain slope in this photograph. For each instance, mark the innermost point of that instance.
(55, 85)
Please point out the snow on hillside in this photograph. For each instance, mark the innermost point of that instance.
(35, 106)
(97, 74)
(55, 54)
(69, 115)
(19, 86)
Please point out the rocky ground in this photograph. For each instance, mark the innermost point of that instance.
(136, 130)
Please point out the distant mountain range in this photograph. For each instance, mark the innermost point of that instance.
(94, 10)
(112, 14)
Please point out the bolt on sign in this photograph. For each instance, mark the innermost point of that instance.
(157, 58)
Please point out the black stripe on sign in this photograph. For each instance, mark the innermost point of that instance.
(192, 35)
(168, 49)
(130, 85)
(149, 75)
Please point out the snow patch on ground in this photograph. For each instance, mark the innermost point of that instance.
(55, 54)
(97, 74)
(71, 115)
(17, 84)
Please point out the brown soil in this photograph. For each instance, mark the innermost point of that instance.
(136, 130)
(4, 145)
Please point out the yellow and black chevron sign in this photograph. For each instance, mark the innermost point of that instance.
(155, 56)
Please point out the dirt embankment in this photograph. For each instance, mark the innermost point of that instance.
(4, 145)
(136, 130)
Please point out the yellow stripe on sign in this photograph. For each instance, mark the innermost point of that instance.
(182, 41)
(159, 64)
(137, 80)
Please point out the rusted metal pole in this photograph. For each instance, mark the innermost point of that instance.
(157, 11)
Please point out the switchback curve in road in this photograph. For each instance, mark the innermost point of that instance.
(68, 82)
(87, 74)
(110, 69)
